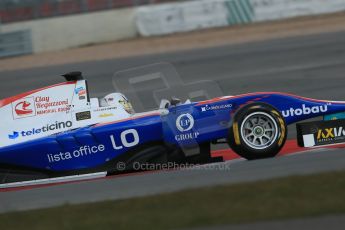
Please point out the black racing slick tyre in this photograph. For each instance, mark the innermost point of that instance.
(258, 131)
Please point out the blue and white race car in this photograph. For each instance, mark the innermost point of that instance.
(59, 130)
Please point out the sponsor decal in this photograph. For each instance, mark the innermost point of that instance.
(129, 138)
(334, 116)
(317, 133)
(83, 116)
(32, 106)
(215, 107)
(184, 123)
(24, 108)
(14, 135)
(105, 109)
(106, 115)
(305, 110)
(49, 127)
(81, 92)
(46, 105)
(330, 134)
(83, 151)
(187, 136)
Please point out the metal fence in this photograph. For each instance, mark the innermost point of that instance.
(20, 10)
(15, 43)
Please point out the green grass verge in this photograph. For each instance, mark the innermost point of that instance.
(290, 197)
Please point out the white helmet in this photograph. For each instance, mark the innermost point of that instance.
(119, 100)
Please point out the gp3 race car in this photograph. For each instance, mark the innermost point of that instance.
(59, 130)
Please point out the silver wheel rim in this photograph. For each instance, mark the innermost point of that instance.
(259, 130)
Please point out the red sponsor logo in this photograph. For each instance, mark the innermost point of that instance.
(47, 105)
(23, 108)
(32, 106)
(82, 92)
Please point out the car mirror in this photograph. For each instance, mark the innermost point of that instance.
(175, 101)
(164, 104)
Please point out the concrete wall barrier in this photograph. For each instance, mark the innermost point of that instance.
(179, 17)
(197, 14)
(78, 30)
(265, 10)
(15, 43)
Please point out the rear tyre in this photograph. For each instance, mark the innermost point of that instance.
(258, 131)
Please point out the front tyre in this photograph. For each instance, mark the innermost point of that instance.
(258, 131)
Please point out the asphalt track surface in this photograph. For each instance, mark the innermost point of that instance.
(123, 187)
(311, 66)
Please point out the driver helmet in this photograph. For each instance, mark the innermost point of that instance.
(117, 99)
